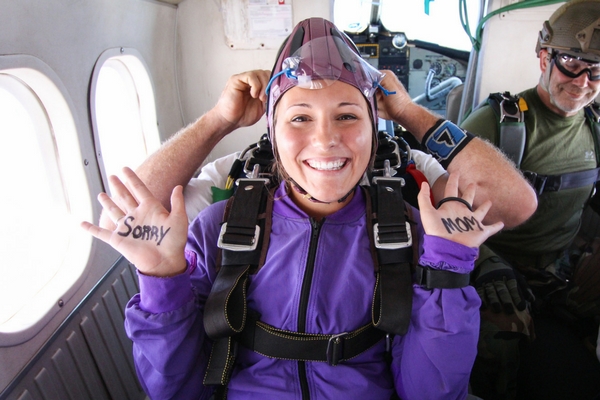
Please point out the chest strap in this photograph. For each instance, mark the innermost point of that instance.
(271, 342)
(554, 183)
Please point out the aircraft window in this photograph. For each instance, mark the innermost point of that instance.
(123, 111)
(46, 194)
(352, 15)
(442, 26)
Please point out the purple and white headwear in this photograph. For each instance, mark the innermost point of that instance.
(315, 55)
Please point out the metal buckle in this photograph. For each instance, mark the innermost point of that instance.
(335, 349)
(387, 169)
(503, 114)
(237, 247)
(395, 245)
(252, 167)
(593, 112)
(387, 173)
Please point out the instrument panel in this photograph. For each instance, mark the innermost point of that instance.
(412, 62)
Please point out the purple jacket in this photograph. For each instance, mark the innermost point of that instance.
(432, 361)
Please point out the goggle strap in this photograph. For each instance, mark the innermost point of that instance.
(287, 72)
(384, 90)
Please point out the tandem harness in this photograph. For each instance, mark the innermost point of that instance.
(510, 111)
(244, 240)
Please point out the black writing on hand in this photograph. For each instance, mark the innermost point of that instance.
(144, 232)
(463, 224)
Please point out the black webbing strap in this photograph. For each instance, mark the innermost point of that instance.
(241, 240)
(276, 343)
(554, 183)
(392, 300)
(437, 279)
(225, 308)
(221, 361)
(511, 125)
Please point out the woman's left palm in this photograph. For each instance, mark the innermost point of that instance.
(454, 220)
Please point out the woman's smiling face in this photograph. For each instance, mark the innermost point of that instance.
(324, 140)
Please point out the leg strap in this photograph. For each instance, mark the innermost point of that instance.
(220, 364)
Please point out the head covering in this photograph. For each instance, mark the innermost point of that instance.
(314, 55)
(574, 29)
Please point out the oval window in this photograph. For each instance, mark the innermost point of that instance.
(46, 195)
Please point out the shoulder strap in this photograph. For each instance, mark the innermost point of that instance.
(392, 240)
(242, 241)
(511, 119)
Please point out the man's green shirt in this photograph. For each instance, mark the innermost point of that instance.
(554, 145)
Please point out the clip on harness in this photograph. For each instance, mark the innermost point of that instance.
(511, 118)
(244, 241)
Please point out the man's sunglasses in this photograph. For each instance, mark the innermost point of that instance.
(575, 66)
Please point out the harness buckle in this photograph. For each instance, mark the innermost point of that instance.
(537, 181)
(517, 114)
(238, 247)
(392, 245)
(335, 348)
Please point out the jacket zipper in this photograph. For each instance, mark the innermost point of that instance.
(304, 297)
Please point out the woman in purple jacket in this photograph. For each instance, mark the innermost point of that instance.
(318, 276)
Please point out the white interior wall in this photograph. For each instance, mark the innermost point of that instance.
(206, 61)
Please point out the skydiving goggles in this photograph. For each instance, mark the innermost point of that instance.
(573, 67)
(322, 61)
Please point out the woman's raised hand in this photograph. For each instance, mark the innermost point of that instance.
(454, 218)
(146, 233)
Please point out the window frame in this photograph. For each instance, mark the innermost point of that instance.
(53, 97)
(132, 60)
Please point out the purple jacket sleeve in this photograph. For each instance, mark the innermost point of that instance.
(165, 323)
(170, 350)
(434, 359)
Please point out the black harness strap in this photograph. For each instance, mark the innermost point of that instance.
(437, 279)
(512, 125)
(220, 364)
(553, 183)
(392, 238)
(276, 343)
(241, 242)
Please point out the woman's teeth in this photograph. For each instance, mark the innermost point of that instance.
(326, 165)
